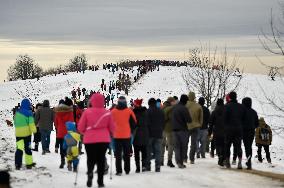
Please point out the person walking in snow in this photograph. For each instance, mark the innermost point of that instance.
(97, 126)
(263, 139)
(70, 145)
(179, 121)
(37, 136)
(168, 141)
(216, 127)
(155, 122)
(24, 127)
(141, 137)
(63, 114)
(44, 119)
(249, 126)
(234, 116)
(125, 121)
(203, 131)
(196, 114)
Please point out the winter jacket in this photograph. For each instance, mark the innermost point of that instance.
(263, 134)
(96, 124)
(216, 122)
(63, 114)
(71, 140)
(141, 133)
(155, 122)
(180, 118)
(206, 116)
(125, 121)
(251, 117)
(44, 118)
(24, 120)
(234, 117)
(168, 118)
(196, 112)
(79, 113)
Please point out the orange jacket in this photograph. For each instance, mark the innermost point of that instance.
(123, 119)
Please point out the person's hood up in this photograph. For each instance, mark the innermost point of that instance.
(262, 122)
(25, 108)
(70, 126)
(247, 102)
(191, 96)
(97, 100)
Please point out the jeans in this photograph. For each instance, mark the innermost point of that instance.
(45, 139)
(155, 147)
(202, 140)
(193, 134)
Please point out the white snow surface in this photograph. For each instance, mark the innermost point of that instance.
(159, 84)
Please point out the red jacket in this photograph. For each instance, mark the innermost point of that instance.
(63, 114)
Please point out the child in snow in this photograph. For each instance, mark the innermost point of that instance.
(263, 138)
(71, 141)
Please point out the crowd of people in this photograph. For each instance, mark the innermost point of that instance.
(145, 132)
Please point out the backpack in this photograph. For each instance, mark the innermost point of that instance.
(264, 134)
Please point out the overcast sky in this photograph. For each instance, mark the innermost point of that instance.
(112, 29)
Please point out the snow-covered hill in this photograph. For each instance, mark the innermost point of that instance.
(158, 84)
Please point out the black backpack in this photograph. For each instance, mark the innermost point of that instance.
(264, 134)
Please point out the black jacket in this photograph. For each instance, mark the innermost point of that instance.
(251, 120)
(234, 117)
(206, 116)
(141, 132)
(216, 122)
(155, 119)
(180, 118)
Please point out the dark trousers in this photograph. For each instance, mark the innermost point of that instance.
(56, 143)
(45, 139)
(122, 146)
(220, 146)
(234, 138)
(266, 149)
(193, 134)
(96, 156)
(23, 146)
(143, 151)
(180, 145)
(37, 136)
(154, 147)
(248, 138)
(60, 144)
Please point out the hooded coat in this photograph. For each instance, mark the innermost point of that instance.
(251, 117)
(195, 111)
(263, 126)
(63, 114)
(216, 122)
(168, 111)
(96, 124)
(155, 121)
(24, 120)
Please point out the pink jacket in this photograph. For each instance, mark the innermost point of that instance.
(96, 123)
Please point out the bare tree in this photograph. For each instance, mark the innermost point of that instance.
(273, 42)
(212, 74)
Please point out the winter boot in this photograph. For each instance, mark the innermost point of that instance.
(62, 163)
(227, 163)
(43, 152)
(30, 166)
(181, 166)
(269, 160)
(56, 150)
(170, 164)
(69, 166)
(191, 162)
(158, 169)
(90, 179)
(240, 164)
(234, 162)
(221, 161)
(106, 169)
(144, 169)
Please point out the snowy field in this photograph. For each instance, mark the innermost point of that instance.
(159, 84)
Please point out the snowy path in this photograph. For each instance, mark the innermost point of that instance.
(205, 173)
